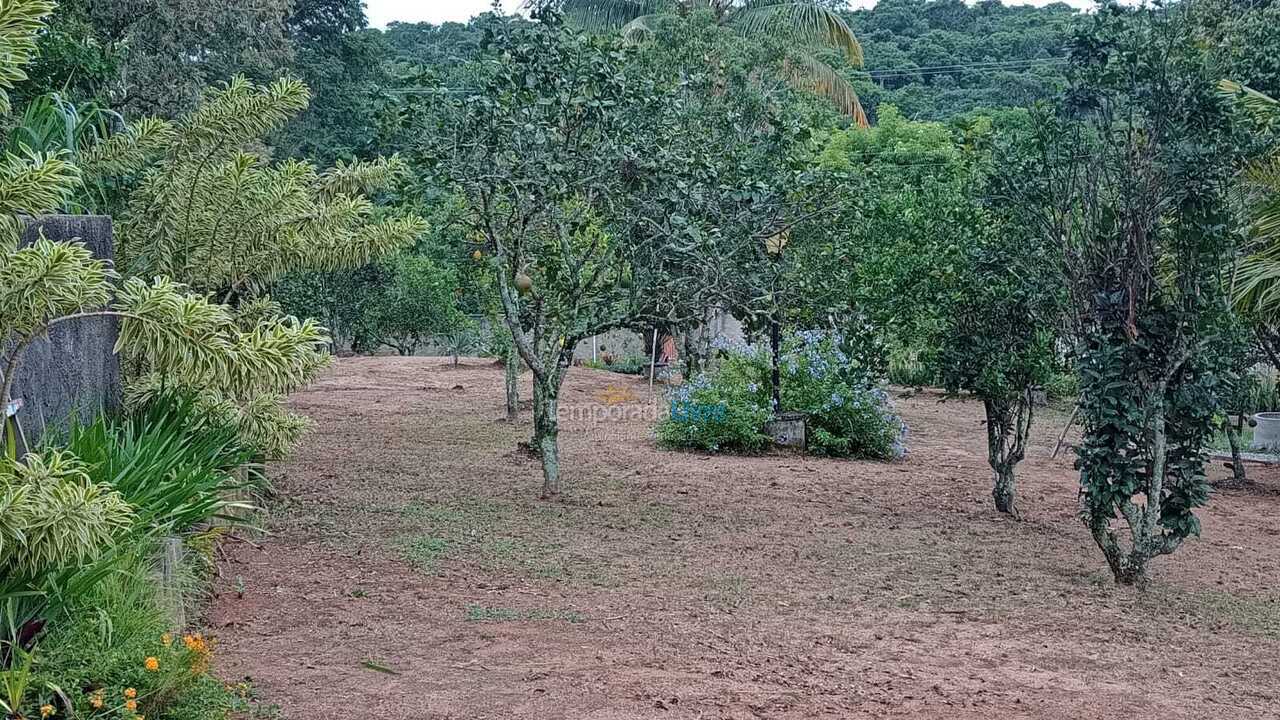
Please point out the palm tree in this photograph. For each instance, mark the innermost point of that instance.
(807, 25)
(1257, 278)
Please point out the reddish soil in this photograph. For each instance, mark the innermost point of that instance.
(412, 573)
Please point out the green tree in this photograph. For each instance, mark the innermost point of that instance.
(552, 156)
(418, 303)
(1133, 180)
(807, 28)
(156, 57)
(205, 210)
(999, 325)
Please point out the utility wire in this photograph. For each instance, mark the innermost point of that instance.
(974, 67)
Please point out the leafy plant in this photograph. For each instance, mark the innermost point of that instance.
(717, 412)
(726, 408)
(1133, 179)
(117, 654)
(210, 213)
(167, 459)
(555, 206)
(806, 27)
(23, 20)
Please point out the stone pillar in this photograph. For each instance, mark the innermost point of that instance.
(74, 371)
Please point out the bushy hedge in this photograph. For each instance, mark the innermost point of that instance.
(84, 627)
(725, 408)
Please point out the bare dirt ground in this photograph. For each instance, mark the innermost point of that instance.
(412, 573)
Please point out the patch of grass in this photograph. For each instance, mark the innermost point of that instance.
(728, 592)
(1254, 616)
(483, 613)
(426, 552)
(482, 532)
(1220, 442)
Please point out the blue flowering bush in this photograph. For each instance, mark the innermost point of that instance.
(718, 411)
(848, 413)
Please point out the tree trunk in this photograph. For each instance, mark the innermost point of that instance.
(1008, 425)
(1005, 493)
(512, 371)
(1237, 464)
(546, 430)
(1146, 537)
(775, 375)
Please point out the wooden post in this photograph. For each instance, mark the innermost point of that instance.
(168, 579)
(653, 358)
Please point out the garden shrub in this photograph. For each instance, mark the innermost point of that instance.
(168, 459)
(77, 541)
(714, 413)
(848, 414)
(116, 656)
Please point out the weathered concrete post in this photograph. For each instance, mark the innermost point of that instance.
(74, 371)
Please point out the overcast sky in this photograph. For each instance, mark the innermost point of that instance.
(382, 12)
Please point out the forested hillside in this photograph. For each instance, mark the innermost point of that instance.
(936, 58)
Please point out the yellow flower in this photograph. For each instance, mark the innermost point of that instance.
(46, 711)
(131, 705)
(167, 639)
(151, 664)
(130, 693)
(95, 700)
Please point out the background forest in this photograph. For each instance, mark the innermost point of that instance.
(930, 60)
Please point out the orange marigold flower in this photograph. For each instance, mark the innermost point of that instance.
(196, 643)
(95, 700)
(46, 711)
(131, 705)
(130, 693)
(152, 664)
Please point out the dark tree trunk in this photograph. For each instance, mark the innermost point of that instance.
(512, 373)
(1237, 463)
(775, 374)
(1008, 425)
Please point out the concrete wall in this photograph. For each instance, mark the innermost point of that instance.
(74, 370)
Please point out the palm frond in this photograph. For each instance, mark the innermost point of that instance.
(1257, 284)
(639, 30)
(1265, 176)
(809, 73)
(802, 22)
(1261, 106)
(598, 15)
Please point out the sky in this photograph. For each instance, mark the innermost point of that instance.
(382, 12)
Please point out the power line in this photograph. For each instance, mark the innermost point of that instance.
(975, 67)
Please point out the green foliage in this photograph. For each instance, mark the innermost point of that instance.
(727, 407)
(1145, 223)
(718, 412)
(806, 28)
(168, 460)
(207, 211)
(1258, 274)
(55, 515)
(156, 57)
(211, 214)
(558, 208)
(99, 654)
(419, 303)
(20, 21)
(936, 59)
